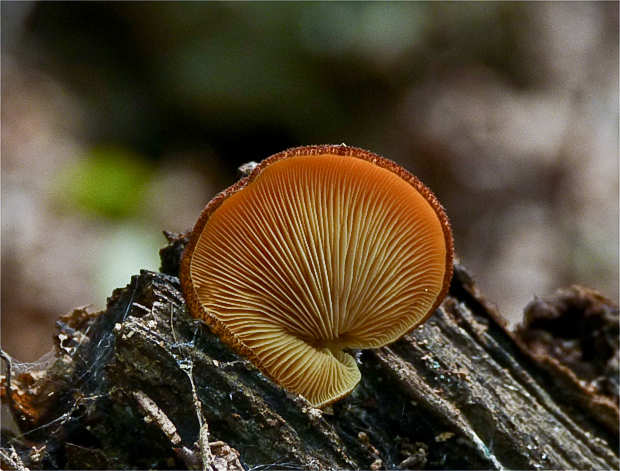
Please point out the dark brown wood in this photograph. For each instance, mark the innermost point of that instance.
(144, 385)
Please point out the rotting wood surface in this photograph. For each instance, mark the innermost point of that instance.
(144, 385)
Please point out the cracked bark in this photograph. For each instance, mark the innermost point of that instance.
(144, 385)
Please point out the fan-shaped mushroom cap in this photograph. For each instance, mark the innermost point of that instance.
(318, 250)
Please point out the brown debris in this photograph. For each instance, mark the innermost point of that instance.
(574, 334)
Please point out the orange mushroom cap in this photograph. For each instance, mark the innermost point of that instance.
(320, 249)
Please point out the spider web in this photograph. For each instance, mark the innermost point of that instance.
(76, 369)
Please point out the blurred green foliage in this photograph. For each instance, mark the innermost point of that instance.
(109, 181)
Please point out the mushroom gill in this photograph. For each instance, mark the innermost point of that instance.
(320, 249)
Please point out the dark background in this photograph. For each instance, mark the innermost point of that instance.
(122, 119)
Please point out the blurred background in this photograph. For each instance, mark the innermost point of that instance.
(122, 119)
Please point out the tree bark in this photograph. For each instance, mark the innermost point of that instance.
(144, 385)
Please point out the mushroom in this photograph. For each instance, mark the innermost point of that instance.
(318, 250)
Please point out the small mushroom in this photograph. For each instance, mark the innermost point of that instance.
(318, 250)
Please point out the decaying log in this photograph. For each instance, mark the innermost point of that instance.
(144, 385)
